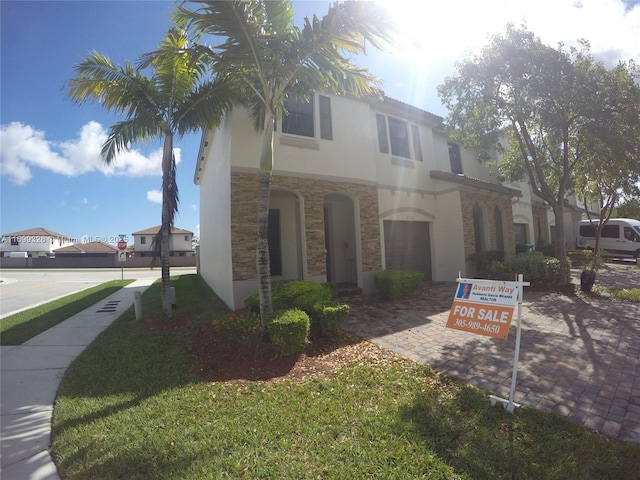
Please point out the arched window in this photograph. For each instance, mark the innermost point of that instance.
(497, 215)
(478, 228)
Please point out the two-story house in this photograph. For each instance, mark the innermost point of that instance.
(359, 185)
(180, 242)
(34, 242)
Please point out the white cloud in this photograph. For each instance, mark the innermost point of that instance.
(448, 32)
(84, 201)
(25, 148)
(154, 196)
(611, 27)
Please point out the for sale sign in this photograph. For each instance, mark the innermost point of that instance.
(483, 307)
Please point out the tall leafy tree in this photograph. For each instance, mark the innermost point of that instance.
(176, 97)
(545, 101)
(269, 59)
(610, 167)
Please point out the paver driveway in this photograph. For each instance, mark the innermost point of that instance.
(579, 355)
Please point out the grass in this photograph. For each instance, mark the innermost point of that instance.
(22, 326)
(624, 294)
(127, 408)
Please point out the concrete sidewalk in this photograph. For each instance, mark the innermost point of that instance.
(30, 375)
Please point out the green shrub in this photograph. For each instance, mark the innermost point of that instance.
(548, 250)
(501, 271)
(328, 318)
(394, 284)
(538, 269)
(302, 294)
(238, 325)
(289, 331)
(252, 303)
(308, 301)
(482, 261)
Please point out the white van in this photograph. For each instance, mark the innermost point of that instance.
(620, 236)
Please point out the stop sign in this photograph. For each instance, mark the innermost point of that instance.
(122, 245)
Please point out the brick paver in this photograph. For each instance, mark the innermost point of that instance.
(579, 355)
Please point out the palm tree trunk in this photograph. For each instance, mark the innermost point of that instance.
(263, 266)
(263, 263)
(165, 229)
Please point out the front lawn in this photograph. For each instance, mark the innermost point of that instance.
(133, 406)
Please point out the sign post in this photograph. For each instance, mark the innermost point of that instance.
(122, 253)
(485, 307)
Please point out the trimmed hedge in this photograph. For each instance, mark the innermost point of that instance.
(394, 284)
(303, 294)
(289, 331)
(328, 318)
(482, 261)
(535, 268)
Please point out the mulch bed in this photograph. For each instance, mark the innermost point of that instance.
(217, 358)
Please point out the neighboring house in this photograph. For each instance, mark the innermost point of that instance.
(91, 249)
(358, 186)
(179, 242)
(35, 242)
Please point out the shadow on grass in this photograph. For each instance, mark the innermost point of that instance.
(25, 330)
(456, 422)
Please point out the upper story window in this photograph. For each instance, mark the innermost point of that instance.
(455, 159)
(186, 238)
(395, 133)
(300, 117)
(143, 240)
(14, 241)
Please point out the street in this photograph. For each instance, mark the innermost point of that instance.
(26, 288)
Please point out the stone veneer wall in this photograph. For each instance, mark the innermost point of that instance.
(488, 202)
(244, 215)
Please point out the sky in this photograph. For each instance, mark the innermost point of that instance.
(50, 172)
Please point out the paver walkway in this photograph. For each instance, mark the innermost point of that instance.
(579, 355)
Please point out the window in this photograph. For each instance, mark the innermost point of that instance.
(383, 143)
(629, 234)
(143, 240)
(497, 216)
(186, 238)
(14, 241)
(455, 159)
(520, 231)
(417, 147)
(395, 132)
(299, 119)
(478, 230)
(610, 231)
(399, 136)
(326, 131)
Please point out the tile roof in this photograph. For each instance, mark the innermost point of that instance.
(156, 229)
(91, 247)
(38, 231)
(474, 182)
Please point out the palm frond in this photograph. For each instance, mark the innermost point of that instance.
(125, 133)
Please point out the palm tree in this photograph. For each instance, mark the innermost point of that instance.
(177, 98)
(269, 59)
